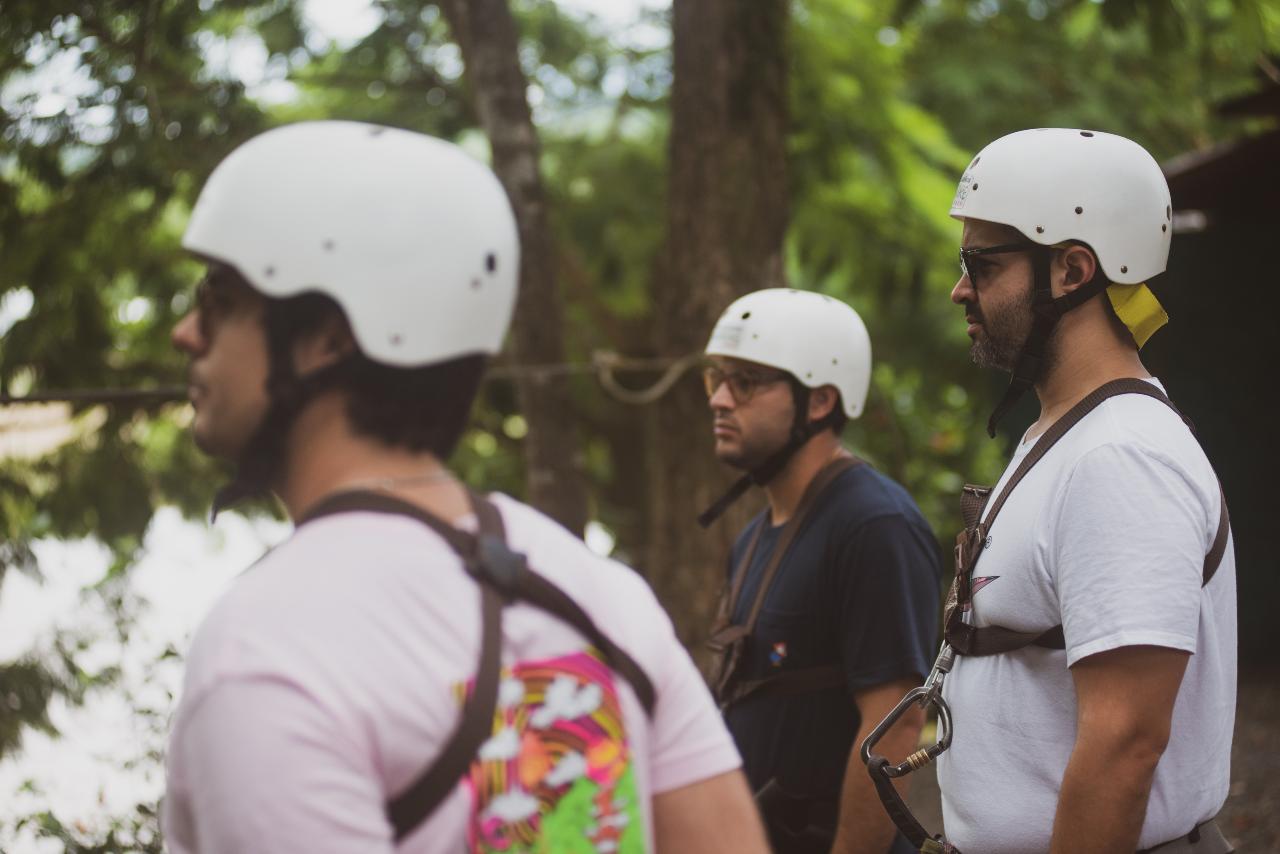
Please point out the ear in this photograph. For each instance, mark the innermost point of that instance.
(1075, 266)
(329, 342)
(822, 401)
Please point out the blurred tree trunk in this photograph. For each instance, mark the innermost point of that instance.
(486, 33)
(726, 219)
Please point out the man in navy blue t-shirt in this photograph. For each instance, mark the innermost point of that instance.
(831, 612)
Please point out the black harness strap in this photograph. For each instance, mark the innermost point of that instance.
(1046, 311)
(504, 577)
(729, 639)
(967, 639)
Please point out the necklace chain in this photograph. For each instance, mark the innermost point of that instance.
(387, 484)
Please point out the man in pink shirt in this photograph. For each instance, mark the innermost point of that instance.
(416, 668)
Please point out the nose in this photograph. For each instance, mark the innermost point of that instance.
(963, 292)
(721, 398)
(186, 335)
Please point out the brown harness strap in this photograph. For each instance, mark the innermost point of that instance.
(728, 639)
(504, 577)
(967, 639)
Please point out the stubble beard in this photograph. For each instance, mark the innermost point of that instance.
(1003, 333)
(747, 455)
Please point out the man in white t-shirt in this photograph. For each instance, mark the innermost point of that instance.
(1101, 719)
(359, 277)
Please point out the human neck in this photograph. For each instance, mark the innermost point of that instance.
(1087, 354)
(786, 489)
(324, 456)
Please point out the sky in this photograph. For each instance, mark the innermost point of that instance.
(185, 565)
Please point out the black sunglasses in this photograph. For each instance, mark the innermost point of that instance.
(742, 384)
(221, 293)
(970, 270)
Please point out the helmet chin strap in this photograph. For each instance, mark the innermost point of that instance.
(1046, 311)
(762, 474)
(287, 393)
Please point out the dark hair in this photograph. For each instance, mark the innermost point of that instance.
(419, 409)
(835, 419)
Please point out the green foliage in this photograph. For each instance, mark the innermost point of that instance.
(889, 100)
(1148, 69)
(135, 833)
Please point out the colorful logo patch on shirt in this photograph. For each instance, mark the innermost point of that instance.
(556, 775)
(976, 585)
(779, 654)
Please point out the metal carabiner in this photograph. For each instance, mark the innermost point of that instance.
(882, 772)
(928, 694)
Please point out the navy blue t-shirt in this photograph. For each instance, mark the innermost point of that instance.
(859, 589)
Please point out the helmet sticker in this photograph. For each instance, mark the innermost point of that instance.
(726, 336)
(962, 191)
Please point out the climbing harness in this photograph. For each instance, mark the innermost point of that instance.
(961, 638)
(729, 640)
(505, 578)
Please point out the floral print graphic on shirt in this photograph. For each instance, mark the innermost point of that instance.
(556, 774)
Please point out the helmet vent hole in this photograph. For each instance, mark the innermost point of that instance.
(755, 336)
(475, 284)
(975, 186)
(1164, 226)
(1124, 269)
(491, 262)
(1168, 212)
(1086, 133)
(1079, 210)
(808, 375)
(376, 131)
(975, 162)
(1039, 229)
(395, 338)
(745, 315)
(328, 246)
(269, 271)
(835, 361)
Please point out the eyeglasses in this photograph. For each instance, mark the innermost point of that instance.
(742, 384)
(970, 269)
(220, 294)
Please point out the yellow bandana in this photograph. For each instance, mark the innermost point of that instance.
(1138, 309)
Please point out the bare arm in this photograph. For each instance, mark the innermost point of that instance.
(1125, 704)
(712, 816)
(865, 828)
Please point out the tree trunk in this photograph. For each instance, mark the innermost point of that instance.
(486, 33)
(727, 217)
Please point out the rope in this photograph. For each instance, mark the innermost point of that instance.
(606, 363)
(603, 364)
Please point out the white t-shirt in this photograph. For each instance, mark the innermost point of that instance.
(329, 677)
(1106, 535)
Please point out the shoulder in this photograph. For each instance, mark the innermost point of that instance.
(1133, 439)
(321, 596)
(615, 596)
(555, 552)
(864, 499)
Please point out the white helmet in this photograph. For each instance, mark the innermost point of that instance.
(412, 237)
(816, 338)
(1057, 184)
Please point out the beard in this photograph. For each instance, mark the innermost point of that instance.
(1003, 332)
(750, 454)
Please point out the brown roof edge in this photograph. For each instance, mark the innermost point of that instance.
(1263, 103)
